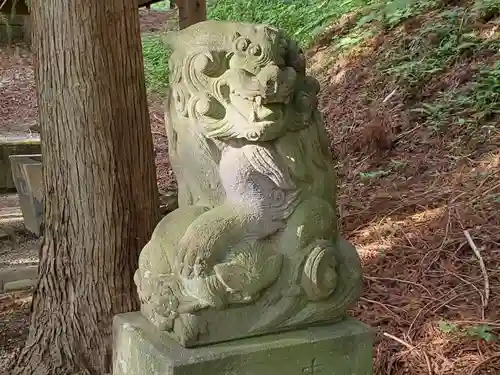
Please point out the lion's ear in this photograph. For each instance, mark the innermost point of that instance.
(236, 35)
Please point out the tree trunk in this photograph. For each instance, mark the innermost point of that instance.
(99, 176)
(191, 12)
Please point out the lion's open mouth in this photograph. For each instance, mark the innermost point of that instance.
(258, 110)
(261, 99)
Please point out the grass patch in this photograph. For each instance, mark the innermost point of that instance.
(301, 19)
(162, 5)
(481, 332)
(440, 42)
(390, 13)
(445, 37)
(476, 105)
(376, 16)
(156, 55)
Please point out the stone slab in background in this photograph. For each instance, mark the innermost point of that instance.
(343, 348)
(16, 278)
(15, 29)
(27, 174)
(22, 284)
(14, 145)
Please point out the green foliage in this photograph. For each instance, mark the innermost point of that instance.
(162, 5)
(482, 332)
(385, 14)
(484, 95)
(476, 332)
(438, 44)
(393, 167)
(447, 327)
(155, 55)
(486, 9)
(475, 105)
(353, 39)
(373, 175)
(391, 13)
(301, 19)
(441, 41)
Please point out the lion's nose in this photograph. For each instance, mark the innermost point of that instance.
(276, 82)
(268, 78)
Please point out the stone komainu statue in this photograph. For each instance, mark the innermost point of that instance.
(254, 245)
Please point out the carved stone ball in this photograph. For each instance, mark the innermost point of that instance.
(319, 275)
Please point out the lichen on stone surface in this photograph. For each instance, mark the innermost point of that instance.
(256, 225)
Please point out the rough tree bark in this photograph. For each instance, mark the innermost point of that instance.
(99, 175)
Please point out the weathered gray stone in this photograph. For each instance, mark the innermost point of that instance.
(341, 349)
(13, 275)
(14, 21)
(19, 285)
(15, 29)
(254, 246)
(10, 212)
(14, 146)
(3, 234)
(27, 173)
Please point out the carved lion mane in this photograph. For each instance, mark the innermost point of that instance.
(256, 224)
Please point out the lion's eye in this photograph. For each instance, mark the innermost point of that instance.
(242, 44)
(255, 50)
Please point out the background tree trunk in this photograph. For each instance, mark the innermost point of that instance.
(191, 12)
(100, 182)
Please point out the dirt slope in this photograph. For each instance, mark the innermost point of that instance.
(412, 112)
(417, 144)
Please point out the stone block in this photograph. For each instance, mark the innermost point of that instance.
(254, 247)
(15, 28)
(14, 146)
(344, 348)
(15, 277)
(19, 285)
(8, 275)
(27, 174)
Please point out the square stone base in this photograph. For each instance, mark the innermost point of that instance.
(14, 146)
(343, 348)
(27, 174)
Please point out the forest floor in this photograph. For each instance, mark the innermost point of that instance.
(411, 100)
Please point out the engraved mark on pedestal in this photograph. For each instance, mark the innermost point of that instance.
(313, 369)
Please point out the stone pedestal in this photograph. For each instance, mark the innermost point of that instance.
(12, 145)
(343, 348)
(27, 174)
